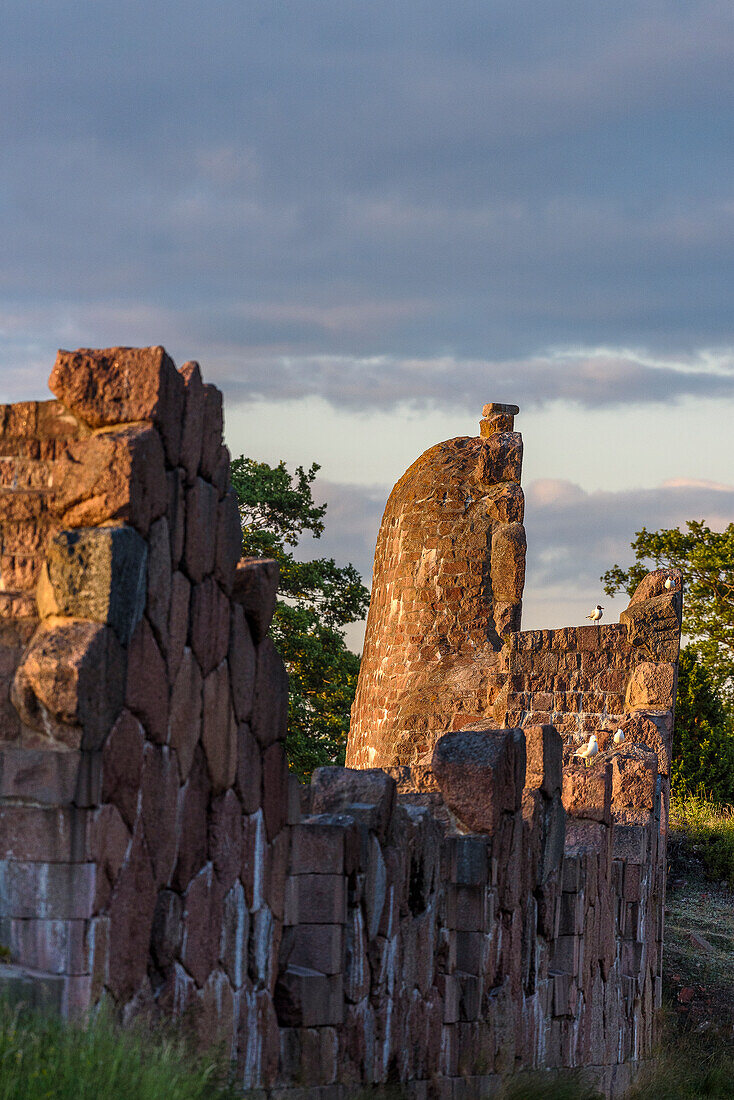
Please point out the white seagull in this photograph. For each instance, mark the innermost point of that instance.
(596, 614)
(619, 737)
(668, 583)
(588, 752)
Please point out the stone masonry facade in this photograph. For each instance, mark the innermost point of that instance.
(464, 902)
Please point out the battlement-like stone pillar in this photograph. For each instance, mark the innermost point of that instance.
(447, 587)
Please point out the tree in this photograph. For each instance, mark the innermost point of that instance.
(706, 561)
(317, 599)
(703, 746)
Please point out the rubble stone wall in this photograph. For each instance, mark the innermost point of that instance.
(479, 904)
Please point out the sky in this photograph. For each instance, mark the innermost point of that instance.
(367, 218)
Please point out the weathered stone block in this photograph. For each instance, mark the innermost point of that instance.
(176, 515)
(70, 684)
(481, 774)
(336, 790)
(235, 935)
(201, 530)
(122, 385)
(508, 562)
(167, 929)
(651, 686)
(241, 657)
(115, 475)
(193, 420)
(50, 778)
(131, 911)
(55, 834)
(210, 623)
(147, 683)
(122, 766)
(315, 946)
(193, 825)
(248, 779)
(467, 860)
(178, 622)
(653, 584)
(160, 573)
(630, 843)
(96, 573)
(159, 797)
(108, 842)
(654, 625)
(202, 922)
(316, 899)
(375, 889)
(587, 792)
(318, 846)
(184, 723)
(306, 998)
(544, 754)
(255, 588)
(213, 426)
(55, 946)
(219, 729)
(275, 788)
(270, 703)
(634, 780)
(228, 541)
(46, 891)
(225, 838)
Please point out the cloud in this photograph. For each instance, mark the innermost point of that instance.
(573, 536)
(590, 378)
(412, 181)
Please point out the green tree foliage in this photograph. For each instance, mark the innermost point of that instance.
(317, 599)
(703, 746)
(706, 561)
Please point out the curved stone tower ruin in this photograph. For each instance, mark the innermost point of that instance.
(447, 586)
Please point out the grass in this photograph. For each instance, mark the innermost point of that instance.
(706, 830)
(689, 1065)
(43, 1058)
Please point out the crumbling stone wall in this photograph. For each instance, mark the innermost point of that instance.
(478, 905)
(447, 587)
(143, 779)
(605, 941)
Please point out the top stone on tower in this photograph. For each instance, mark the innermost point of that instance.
(495, 407)
(497, 417)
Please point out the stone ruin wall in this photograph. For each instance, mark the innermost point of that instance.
(476, 906)
(449, 574)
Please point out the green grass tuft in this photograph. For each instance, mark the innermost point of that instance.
(707, 828)
(44, 1058)
(687, 1066)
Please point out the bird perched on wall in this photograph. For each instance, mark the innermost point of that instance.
(596, 614)
(669, 582)
(589, 751)
(619, 737)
